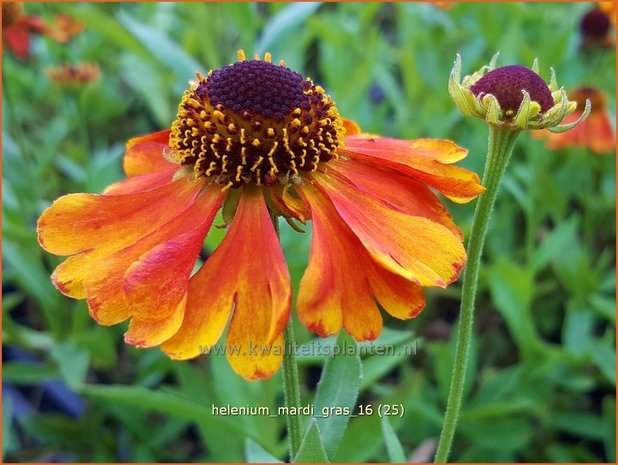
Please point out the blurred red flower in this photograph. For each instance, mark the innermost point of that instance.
(17, 27)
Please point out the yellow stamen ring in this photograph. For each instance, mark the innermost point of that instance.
(252, 121)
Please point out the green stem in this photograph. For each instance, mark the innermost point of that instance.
(291, 384)
(291, 389)
(500, 147)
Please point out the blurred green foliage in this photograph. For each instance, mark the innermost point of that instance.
(543, 375)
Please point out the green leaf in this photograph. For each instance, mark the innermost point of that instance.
(27, 372)
(512, 290)
(499, 433)
(337, 392)
(376, 366)
(391, 344)
(390, 337)
(585, 425)
(605, 306)
(604, 357)
(7, 416)
(73, 362)
(558, 453)
(230, 388)
(554, 243)
(443, 356)
(104, 24)
(24, 337)
(55, 428)
(577, 331)
(362, 441)
(286, 21)
(104, 168)
(28, 270)
(499, 409)
(246, 18)
(166, 403)
(496, 385)
(12, 300)
(196, 384)
(609, 428)
(256, 454)
(148, 84)
(71, 169)
(99, 341)
(164, 49)
(311, 448)
(393, 446)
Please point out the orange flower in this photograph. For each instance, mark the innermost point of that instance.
(260, 141)
(609, 8)
(444, 5)
(83, 73)
(18, 26)
(595, 132)
(64, 28)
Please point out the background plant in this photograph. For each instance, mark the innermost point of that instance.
(544, 358)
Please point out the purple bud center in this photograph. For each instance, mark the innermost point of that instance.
(506, 84)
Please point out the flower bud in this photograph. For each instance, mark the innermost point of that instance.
(514, 97)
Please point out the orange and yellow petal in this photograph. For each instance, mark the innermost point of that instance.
(245, 281)
(102, 286)
(143, 182)
(414, 247)
(401, 298)
(69, 275)
(159, 278)
(149, 333)
(288, 204)
(351, 127)
(342, 282)
(397, 191)
(334, 291)
(427, 160)
(114, 288)
(81, 222)
(144, 154)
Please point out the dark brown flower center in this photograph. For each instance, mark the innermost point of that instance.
(595, 24)
(255, 122)
(506, 84)
(255, 86)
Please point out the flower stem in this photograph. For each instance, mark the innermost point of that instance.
(500, 147)
(291, 389)
(291, 383)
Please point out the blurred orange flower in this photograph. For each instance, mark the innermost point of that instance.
(444, 5)
(64, 28)
(609, 8)
(82, 73)
(17, 27)
(260, 141)
(596, 132)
